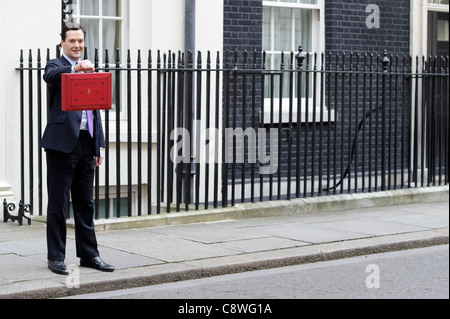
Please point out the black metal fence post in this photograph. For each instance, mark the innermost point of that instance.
(107, 150)
(300, 58)
(225, 124)
(383, 122)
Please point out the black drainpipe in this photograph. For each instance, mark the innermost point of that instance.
(190, 26)
(189, 45)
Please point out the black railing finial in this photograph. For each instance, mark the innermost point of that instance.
(386, 61)
(300, 57)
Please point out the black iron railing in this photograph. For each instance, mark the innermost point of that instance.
(190, 133)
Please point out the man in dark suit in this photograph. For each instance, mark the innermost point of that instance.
(74, 143)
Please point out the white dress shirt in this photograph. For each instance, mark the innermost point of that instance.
(83, 125)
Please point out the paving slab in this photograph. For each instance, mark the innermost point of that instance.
(207, 233)
(421, 220)
(260, 244)
(371, 227)
(309, 233)
(169, 248)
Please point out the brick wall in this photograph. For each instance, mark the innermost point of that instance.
(346, 29)
(345, 26)
(243, 25)
(242, 31)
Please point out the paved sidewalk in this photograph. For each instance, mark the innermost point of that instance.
(162, 254)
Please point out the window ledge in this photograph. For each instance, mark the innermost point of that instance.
(314, 112)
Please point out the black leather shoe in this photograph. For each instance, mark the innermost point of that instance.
(58, 267)
(96, 263)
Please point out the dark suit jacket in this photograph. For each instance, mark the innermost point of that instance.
(63, 128)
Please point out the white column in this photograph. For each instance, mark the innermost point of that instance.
(5, 187)
(5, 192)
(419, 21)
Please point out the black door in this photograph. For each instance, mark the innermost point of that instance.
(437, 96)
(438, 33)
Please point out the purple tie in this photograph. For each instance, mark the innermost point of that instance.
(90, 122)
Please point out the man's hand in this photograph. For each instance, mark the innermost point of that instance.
(99, 160)
(85, 66)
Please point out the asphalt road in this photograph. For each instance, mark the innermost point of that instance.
(411, 274)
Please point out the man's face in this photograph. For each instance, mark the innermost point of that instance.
(73, 46)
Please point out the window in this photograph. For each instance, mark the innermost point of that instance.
(439, 2)
(427, 27)
(105, 29)
(438, 26)
(286, 25)
(103, 20)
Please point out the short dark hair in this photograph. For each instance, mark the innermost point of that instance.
(71, 27)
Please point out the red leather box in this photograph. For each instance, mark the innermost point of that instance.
(86, 91)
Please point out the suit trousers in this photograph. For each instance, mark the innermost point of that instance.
(71, 174)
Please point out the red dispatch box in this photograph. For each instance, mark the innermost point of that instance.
(86, 91)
